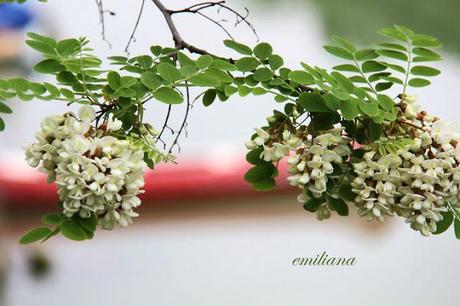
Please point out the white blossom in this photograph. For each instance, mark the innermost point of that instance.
(95, 173)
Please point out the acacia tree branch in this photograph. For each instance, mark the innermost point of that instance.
(179, 42)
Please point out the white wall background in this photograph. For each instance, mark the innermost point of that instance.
(237, 254)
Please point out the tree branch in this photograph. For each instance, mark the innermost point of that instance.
(179, 42)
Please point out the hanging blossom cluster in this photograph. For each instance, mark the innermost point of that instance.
(312, 159)
(96, 173)
(418, 183)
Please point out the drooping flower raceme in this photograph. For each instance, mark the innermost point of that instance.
(96, 173)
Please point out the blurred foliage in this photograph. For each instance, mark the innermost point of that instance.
(360, 19)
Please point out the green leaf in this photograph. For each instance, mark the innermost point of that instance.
(368, 108)
(52, 219)
(68, 47)
(151, 80)
(375, 131)
(223, 65)
(49, 66)
(392, 54)
(457, 228)
(331, 101)
(313, 204)
(405, 31)
(386, 102)
(301, 77)
(372, 66)
(339, 52)
(204, 80)
(365, 54)
(34, 235)
(114, 80)
(258, 91)
(73, 231)
(312, 102)
(349, 109)
(418, 82)
(43, 39)
(260, 173)
(88, 224)
(342, 42)
(392, 46)
(230, 90)
(426, 53)
(445, 223)
(339, 206)
(168, 72)
(168, 95)
(394, 67)
(275, 61)
(246, 64)
(393, 33)
(145, 61)
(41, 47)
(253, 157)
(209, 97)
(426, 41)
(343, 81)
(357, 79)
(2, 125)
(238, 47)
(265, 185)
(263, 50)
(244, 90)
(383, 86)
(19, 84)
(346, 193)
(263, 74)
(37, 88)
(424, 71)
(188, 70)
(156, 50)
(5, 108)
(204, 61)
(346, 67)
(219, 75)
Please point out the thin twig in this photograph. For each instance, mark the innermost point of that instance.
(100, 7)
(179, 42)
(133, 33)
(163, 128)
(184, 121)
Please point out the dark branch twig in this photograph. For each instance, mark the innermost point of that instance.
(179, 42)
(163, 128)
(133, 33)
(197, 8)
(184, 121)
(100, 7)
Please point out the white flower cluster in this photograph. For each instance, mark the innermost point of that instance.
(375, 185)
(313, 162)
(275, 147)
(95, 173)
(416, 183)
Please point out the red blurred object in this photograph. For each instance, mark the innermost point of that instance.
(24, 187)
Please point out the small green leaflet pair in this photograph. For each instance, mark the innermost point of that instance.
(75, 228)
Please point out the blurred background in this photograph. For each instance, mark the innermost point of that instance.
(204, 238)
